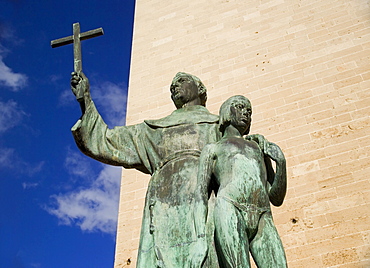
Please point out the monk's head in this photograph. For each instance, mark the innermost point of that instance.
(187, 90)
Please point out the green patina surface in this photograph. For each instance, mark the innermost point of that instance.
(246, 185)
(179, 219)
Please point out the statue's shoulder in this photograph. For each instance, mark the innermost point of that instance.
(189, 115)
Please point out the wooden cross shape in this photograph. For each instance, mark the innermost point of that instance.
(76, 39)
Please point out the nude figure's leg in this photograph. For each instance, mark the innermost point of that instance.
(230, 236)
(266, 247)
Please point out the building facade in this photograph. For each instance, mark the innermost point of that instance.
(305, 66)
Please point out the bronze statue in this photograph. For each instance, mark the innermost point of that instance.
(247, 184)
(174, 231)
(169, 150)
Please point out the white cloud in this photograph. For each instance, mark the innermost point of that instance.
(30, 169)
(6, 155)
(7, 33)
(9, 159)
(11, 115)
(67, 98)
(94, 208)
(111, 98)
(28, 185)
(55, 78)
(77, 164)
(9, 78)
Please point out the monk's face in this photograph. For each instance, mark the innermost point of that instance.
(241, 115)
(183, 90)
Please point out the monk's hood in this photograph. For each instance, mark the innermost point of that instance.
(188, 115)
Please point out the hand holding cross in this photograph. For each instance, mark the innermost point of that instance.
(76, 39)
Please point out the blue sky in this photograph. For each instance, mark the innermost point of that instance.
(58, 207)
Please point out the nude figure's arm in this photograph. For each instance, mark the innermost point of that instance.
(200, 248)
(279, 183)
(278, 179)
(201, 195)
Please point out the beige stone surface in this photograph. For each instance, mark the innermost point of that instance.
(305, 67)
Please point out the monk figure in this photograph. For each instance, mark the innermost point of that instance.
(168, 149)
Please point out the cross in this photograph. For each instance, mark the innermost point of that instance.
(76, 39)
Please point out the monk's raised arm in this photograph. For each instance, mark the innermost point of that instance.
(119, 146)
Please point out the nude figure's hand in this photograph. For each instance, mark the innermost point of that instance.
(275, 153)
(260, 140)
(268, 148)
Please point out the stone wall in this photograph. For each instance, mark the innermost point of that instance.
(305, 67)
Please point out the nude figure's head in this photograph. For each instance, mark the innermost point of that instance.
(236, 111)
(187, 90)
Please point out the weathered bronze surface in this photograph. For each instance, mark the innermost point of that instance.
(183, 224)
(247, 184)
(169, 150)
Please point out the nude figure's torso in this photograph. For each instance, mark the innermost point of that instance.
(240, 171)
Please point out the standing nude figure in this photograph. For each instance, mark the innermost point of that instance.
(247, 184)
